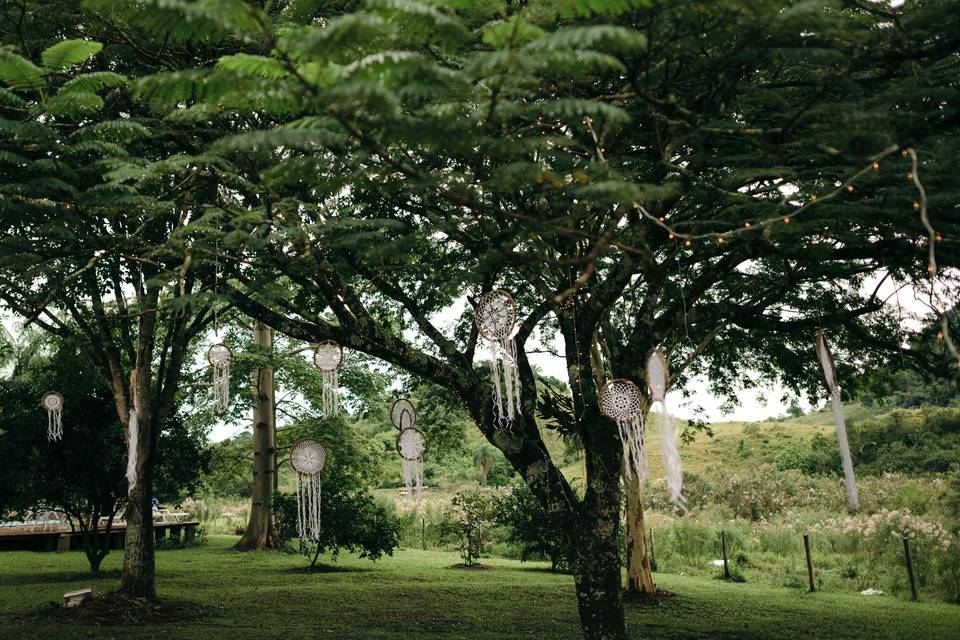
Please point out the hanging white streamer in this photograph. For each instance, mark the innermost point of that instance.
(658, 380)
(671, 457)
(632, 434)
(413, 477)
(833, 387)
(133, 435)
(506, 380)
(331, 393)
(309, 506)
(221, 386)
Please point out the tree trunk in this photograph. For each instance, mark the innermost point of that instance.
(596, 546)
(139, 568)
(639, 573)
(260, 533)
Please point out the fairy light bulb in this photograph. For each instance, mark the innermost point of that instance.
(938, 237)
(687, 242)
(849, 188)
(876, 166)
(786, 221)
(746, 224)
(916, 205)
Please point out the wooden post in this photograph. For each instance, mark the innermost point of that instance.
(806, 549)
(653, 556)
(423, 533)
(726, 563)
(909, 556)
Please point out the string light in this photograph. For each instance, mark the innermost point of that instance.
(849, 188)
(687, 242)
(746, 225)
(786, 220)
(876, 166)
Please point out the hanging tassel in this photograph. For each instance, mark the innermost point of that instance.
(833, 387)
(309, 506)
(221, 386)
(671, 458)
(331, 393)
(133, 435)
(631, 433)
(658, 380)
(413, 477)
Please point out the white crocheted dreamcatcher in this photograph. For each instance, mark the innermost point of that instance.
(53, 403)
(833, 387)
(308, 457)
(402, 414)
(327, 357)
(658, 381)
(620, 400)
(219, 357)
(411, 445)
(496, 319)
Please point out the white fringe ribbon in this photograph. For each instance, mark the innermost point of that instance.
(506, 380)
(133, 435)
(671, 457)
(632, 434)
(308, 507)
(54, 424)
(221, 385)
(413, 477)
(331, 393)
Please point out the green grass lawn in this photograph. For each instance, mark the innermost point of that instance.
(416, 594)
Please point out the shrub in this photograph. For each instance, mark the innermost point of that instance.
(350, 520)
(534, 529)
(471, 512)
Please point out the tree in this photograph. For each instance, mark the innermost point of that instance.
(472, 511)
(96, 221)
(638, 174)
(484, 459)
(81, 476)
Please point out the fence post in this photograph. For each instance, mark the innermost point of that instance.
(909, 556)
(423, 533)
(806, 548)
(726, 563)
(653, 556)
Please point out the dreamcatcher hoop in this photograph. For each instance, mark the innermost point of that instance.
(658, 382)
(403, 415)
(219, 356)
(830, 378)
(308, 458)
(52, 402)
(412, 445)
(496, 320)
(328, 356)
(621, 401)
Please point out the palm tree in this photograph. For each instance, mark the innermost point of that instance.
(19, 350)
(484, 458)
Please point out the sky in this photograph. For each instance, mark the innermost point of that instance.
(755, 404)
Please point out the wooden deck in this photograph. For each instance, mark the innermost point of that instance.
(58, 537)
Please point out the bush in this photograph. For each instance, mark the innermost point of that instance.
(534, 529)
(350, 520)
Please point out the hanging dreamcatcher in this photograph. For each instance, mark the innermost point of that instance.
(308, 457)
(496, 318)
(402, 414)
(658, 381)
(833, 388)
(53, 403)
(620, 400)
(327, 357)
(219, 356)
(411, 445)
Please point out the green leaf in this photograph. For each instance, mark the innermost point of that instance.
(10, 99)
(19, 73)
(251, 65)
(69, 53)
(73, 104)
(93, 82)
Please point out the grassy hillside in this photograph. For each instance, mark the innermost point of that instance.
(416, 594)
